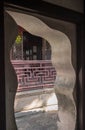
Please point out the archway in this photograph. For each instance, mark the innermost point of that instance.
(61, 48)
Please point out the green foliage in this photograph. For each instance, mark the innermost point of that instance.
(18, 39)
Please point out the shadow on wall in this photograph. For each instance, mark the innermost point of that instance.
(11, 32)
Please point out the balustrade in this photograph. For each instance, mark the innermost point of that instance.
(34, 74)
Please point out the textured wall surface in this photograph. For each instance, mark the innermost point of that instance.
(61, 59)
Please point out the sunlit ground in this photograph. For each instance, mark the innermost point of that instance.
(37, 120)
(36, 112)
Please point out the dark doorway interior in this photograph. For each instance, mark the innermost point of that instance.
(32, 47)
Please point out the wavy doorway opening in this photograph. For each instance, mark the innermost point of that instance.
(61, 59)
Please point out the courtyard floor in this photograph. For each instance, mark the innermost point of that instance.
(34, 120)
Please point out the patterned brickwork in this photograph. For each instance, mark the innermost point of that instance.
(34, 74)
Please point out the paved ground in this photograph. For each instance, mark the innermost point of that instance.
(37, 120)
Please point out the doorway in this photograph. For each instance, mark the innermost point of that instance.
(32, 47)
(61, 48)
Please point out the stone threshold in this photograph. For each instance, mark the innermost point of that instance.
(34, 92)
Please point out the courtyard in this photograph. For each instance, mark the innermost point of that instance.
(37, 120)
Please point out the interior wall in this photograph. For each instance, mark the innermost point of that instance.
(11, 31)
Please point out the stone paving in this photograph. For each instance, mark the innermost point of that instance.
(37, 120)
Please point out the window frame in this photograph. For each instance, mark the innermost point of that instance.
(57, 12)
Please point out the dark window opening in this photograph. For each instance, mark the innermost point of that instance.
(30, 47)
